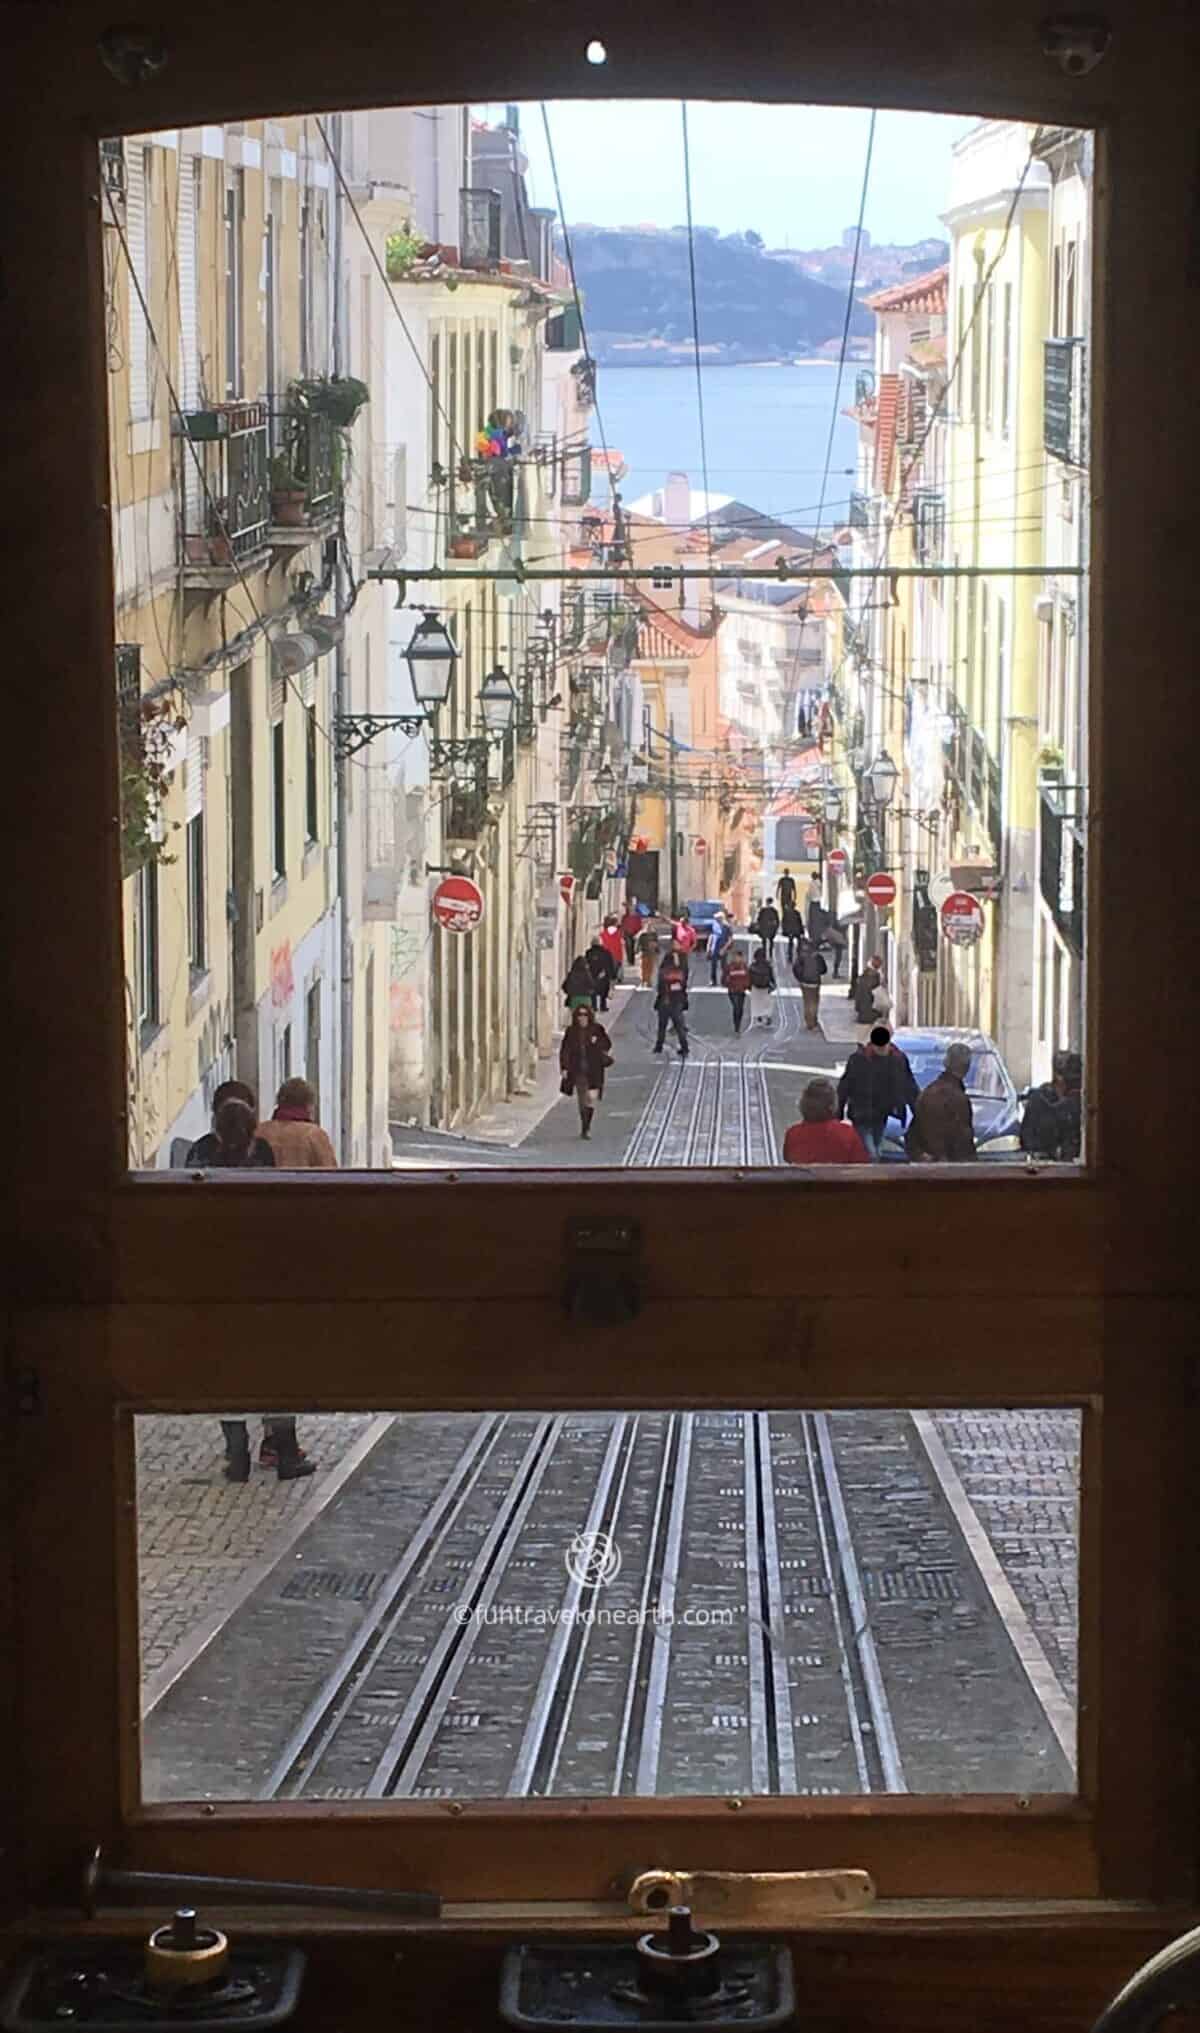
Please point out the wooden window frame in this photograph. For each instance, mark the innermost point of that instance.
(142, 1295)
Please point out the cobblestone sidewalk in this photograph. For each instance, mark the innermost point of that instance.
(1021, 1472)
(198, 1534)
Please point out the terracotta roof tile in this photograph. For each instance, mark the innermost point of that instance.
(917, 293)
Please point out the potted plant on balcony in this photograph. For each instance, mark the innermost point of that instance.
(336, 396)
(465, 540)
(288, 494)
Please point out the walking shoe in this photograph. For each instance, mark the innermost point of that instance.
(237, 1467)
(291, 1471)
(658, 1049)
(268, 1454)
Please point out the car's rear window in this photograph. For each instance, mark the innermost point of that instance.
(985, 1078)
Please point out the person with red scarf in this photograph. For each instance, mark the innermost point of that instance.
(297, 1140)
(613, 942)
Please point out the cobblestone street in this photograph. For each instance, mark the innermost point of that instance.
(1021, 1472)
(198, 1535)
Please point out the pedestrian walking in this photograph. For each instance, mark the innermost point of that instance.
(584, 1056)
(719, 939)
(810, 970)
(762, 986)
(766, 925)
(802, 721)
(819, 1138)
(814, 906)
(647, 952)
(737, 984)
(835, 939)
(1052, 1121)
(785, 891)
(602, 968)
(867, 1012)
(877, 1084)
(792, 927)
(631, 925)
(825, 724)
(613, 941)
(671, 1000)
(213, 1148)
(296, 1138)
(579, 986)
(943, 1127)
(685, 933)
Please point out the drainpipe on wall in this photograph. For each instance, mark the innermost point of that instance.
(345, 1028)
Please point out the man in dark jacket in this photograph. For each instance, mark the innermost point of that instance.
(943, 1127)
(671, 1000)
(602, 968)
(1052, 1122)
(579, 988)
(766, 924)
(877, 1083)
(865, 1014)
(810, 970)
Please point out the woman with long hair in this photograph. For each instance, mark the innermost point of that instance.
(584, 1056)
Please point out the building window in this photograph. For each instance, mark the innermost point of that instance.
(305, 286)
(1006, 364)
(196, 897)
(234, 215)
(1056, 294)
(1069, 292)
(312, 1043)
(278, 803)
(989, 352)
(312, 827)
(137, 233)
(271, 300)
(435, 399)
(149, 1015)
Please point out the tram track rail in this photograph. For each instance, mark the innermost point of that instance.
(709, 1110)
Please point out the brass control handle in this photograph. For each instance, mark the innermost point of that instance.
(768, 1898)
(101, 1885)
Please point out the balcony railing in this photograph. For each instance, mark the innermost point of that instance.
(479, 228)
(860, 511)
(224, 516)
(1061, 857)
(576, 472)
(1064, 400)
(995, 809)
(316, 459)
(979, 762)
(929, 524)
(466, 810)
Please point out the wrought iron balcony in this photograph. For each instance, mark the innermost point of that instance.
(465, 813)
(860, 511)
(995, 808)
(479, 228)
(223, 490)
(576, 475)
(1064, 400)
(1061, 857)
(929, 524)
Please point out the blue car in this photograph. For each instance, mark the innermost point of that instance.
(995, 1105)
(702, 914)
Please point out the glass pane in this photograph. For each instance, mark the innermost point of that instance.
(494, 1605)
(475, 667)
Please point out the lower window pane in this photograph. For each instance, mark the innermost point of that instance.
(489, 1605)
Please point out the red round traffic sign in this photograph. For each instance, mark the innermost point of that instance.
(458, 904)
(881, 889)
(837, 857)
(962, 918)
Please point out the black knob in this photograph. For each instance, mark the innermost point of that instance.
(183, 1929)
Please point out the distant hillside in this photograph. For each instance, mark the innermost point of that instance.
(636, 289)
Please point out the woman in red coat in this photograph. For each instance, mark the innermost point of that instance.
(612, 942)
(583, 1056)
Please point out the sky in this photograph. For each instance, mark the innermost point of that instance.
(792, 173)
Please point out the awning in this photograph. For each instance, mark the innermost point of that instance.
(291, 654)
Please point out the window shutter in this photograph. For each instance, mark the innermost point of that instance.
(308, 685)
(400, 500)
(136, 233)
(278, 690)
(189, 327)
(194, 774)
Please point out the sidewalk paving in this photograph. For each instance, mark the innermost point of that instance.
(198, 1535)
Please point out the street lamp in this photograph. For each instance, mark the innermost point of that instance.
(497, 703)
(832, 807)
(431, 657)
(606, 781)
(882, 777)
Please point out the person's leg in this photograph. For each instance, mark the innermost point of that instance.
(581, 1103)
(237, 1450)
(870, 1140)
(663, 1020)
(680, 1022)
(292, 1460)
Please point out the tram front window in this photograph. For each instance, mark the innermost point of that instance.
(525, 1604)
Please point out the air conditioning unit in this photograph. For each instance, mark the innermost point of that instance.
(976, 876)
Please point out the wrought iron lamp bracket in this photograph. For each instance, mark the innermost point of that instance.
(352, 731)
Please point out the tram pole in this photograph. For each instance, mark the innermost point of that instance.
(671, 817)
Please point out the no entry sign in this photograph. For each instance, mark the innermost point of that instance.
(566, 887)
(837, 858)
(881, 890)
(962, 918)
(458, 904)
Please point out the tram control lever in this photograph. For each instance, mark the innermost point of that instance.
(1168, 1983)
(679, 1976)
(186, 1969)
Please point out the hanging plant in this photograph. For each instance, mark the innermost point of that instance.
(336, 396)
(148, 752)
(403, 250)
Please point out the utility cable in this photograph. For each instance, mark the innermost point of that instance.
(687, 192)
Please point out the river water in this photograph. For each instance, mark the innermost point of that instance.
(766, 429)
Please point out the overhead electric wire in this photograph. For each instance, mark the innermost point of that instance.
(691, 234)
(570, 258)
